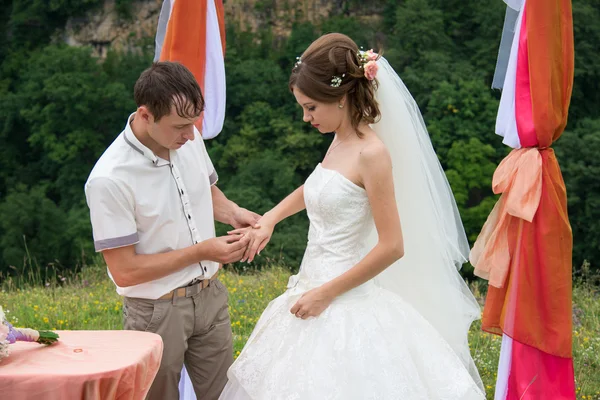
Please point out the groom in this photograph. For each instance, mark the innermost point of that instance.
(153, 200)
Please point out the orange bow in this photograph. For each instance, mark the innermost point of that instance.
(519, 179)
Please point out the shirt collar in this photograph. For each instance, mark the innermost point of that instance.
(134, 142)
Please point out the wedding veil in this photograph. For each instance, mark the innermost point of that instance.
(435, 243)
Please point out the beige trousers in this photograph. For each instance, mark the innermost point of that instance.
(196, 331)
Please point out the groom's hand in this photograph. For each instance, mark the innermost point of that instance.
(225, 249)
(242, 218)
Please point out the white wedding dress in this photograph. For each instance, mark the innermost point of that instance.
(368, 344)
(402, 335)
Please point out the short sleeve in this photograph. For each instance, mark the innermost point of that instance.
(111, 213)
(212, 173)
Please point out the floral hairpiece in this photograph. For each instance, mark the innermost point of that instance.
(336, 81)
(368, 59)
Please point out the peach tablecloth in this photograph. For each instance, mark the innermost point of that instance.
(82, 365)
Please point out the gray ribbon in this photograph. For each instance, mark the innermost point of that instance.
(161, 30)
(508, 34)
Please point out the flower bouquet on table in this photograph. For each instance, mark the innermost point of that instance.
(9, 334)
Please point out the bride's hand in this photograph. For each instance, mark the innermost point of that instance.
(312, 303)
(259, 237)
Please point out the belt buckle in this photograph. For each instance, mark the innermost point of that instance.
(192, 290)
(195, 286)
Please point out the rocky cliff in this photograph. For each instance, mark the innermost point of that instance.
(103, 27)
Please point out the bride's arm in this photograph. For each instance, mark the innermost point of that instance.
(376, 172)
(291, 205)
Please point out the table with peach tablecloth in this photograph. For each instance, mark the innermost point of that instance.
(82, 365)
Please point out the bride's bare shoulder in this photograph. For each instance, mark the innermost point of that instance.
(374, 158)
(373, 149)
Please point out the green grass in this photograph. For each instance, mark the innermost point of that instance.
(88, 301)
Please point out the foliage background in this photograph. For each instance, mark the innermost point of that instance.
(60, 108)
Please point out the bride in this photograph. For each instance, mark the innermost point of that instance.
(378, 309)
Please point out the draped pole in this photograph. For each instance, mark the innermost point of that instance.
(192, 32)
(525, 247)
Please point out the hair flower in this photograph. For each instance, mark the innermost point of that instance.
(336, 81)
(371, 56)
(371, 70)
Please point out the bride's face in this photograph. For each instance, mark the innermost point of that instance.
(326, 117)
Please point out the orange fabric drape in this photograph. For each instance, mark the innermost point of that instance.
(185, 39)
(525, 247)
(534, 304)
(551, 65)
(184, 42)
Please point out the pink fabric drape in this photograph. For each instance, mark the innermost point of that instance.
(83, 365)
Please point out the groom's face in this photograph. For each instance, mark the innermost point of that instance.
(326, 117)
(171, 131)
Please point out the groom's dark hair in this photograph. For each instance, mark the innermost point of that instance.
(337, 56)
(165, 84)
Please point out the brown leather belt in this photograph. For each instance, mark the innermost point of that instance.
(190, 290)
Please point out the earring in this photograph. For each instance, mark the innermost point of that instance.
(340, 105)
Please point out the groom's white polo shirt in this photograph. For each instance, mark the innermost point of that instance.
(136, 198)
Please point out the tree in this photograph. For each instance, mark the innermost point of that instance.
(461, 110)
(586, 86)
(72, 112)
(470, 171)
(33, 230)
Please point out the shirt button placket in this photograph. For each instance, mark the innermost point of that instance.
(187, 209)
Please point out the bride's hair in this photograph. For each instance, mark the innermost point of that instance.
(332, 67)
